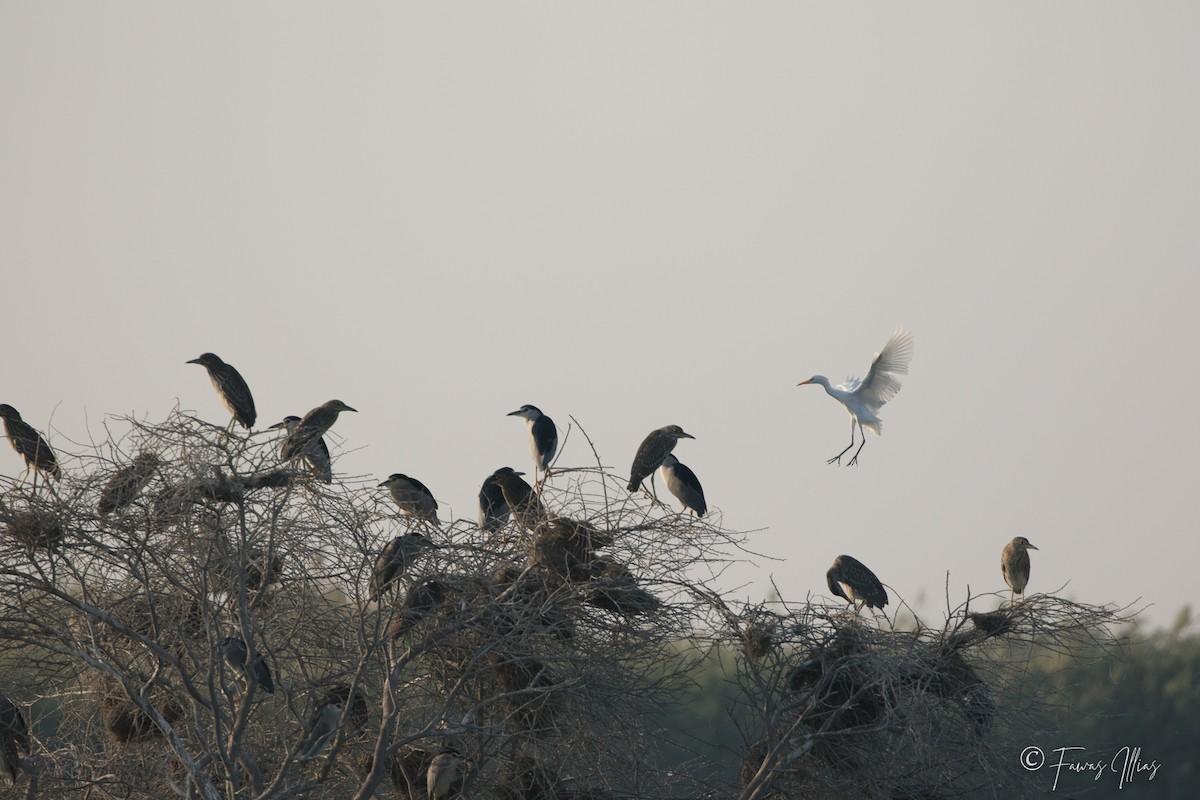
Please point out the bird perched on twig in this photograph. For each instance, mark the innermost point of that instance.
(850, 580)
(420, 601)
(317, 456)
(231, 388)
(1014, 564)
(543, 438)
(29, 444)
(523, 502)
(304, 436)
(650, 454)
(14, 740)
(863, 399)
(412, 497)
(443, 771)
(493, 508)
(236, 653)
(321, 727)
(125, 484)
(684, 484)
(395, 559)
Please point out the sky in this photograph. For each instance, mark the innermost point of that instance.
(641, 214)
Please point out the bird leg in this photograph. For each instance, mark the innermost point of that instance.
(838, 458)
(854, 461)
(654, 490)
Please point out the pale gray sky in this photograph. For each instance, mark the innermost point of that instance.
(643, 214)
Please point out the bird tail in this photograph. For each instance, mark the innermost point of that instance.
(874, 426)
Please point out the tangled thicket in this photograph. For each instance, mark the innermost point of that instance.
(533, 660)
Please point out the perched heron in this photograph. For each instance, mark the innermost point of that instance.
(231, 387)
(420, 600)
(443, 771)
(493, 508)
(236, 653)
(684, 484)
(522, 501)
(321, 727)
(1014, 563)
(395, 559)
(29, 443)
(317, 456)
(412, 497)
(309, 430)
(543, 438)
(14, 740)
(863, 399)
(650, 455)
(125, 484)
(850, 580)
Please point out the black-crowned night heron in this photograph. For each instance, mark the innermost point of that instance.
(650, 455)
(523, 502)
(321, 727)
(14, 740)
(127, 482)
(1014, 563)
(543, 438)
(850, 580)
(863, 399)
(684, 484)
(443, 771)
(317, 456)
(412, 497)
(231, 388)
(29, 443)
(493, 508)
(236, 653)
(420, 601)
(302, 438)
(395, 559)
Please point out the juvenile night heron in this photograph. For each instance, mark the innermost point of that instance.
(304, 436)
(863, 399)
(523, 502)
(420, 601)
(317, 456)
(850, 580)
(443, 771)
(650, 455)
(14, 740)
(412, 497)
(231, 388)
(493, 509)
(236, 654)
(29, 443)
(543, 438)
(127, 482)
(684, 484)
(395, 559)
(1014, 563)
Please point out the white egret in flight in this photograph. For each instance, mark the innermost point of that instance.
(864, 398)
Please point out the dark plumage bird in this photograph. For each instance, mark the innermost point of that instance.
(850, 580)
(1014, 563)
(321, 727)
(522, 501)
(396, 558)
(29, 443)
(443, 771)
(651, 452)
(684, 484)
(304, 436)
(493, 508)
(231, 387)
(543, 437)
(234, 649)
(420, 601)
(317, 456)
(412, 497)
(14, 740)
(125, 484)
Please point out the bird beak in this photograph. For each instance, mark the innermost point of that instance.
(276, 426)
(801, 383)
(348, 408)
(687, 436)
(1030, 547)
(385, 483)
(513, 413)
(193, 361)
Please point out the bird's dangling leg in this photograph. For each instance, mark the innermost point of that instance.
(854, 461)
(838, 458)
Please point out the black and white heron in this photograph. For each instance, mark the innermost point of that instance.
(443, 771)
(127, 482)
(650, 454)
(543, 438)
(522, 500)
(321, 727)
(684, 484)
(231, 388)
(236, 654)
(14, 740)
(493, 508)
(315, 424)
(395, 559)
(317, 456)
(850, 580)
(1014, 563)
(412, 497)
(863, 399)
(29, 444)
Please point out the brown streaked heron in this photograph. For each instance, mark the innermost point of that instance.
(522, 500)
(543, 439)
(850, 580)
(320, 463)
(29, 444)
(684, 484)
(315, 424)
(443, 771)
(395, 559)
(650, 454)
(493, 508)
(127, 482)
(1014, 564)
(231, 388)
